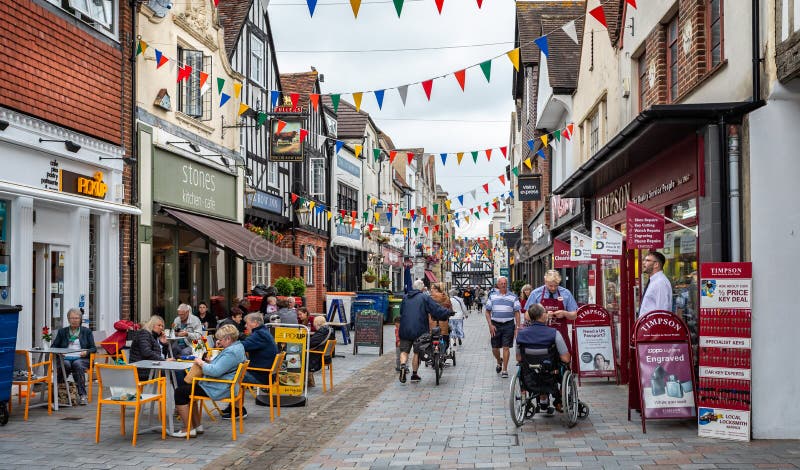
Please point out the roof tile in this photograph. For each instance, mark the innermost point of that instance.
(232, 15)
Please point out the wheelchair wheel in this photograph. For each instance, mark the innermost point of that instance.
(569, 399)
(437, 366)
(517, 401)
(453, 356)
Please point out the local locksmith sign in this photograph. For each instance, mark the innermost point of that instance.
(190, 185)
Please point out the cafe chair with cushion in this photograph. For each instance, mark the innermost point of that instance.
(235, 399)
(27, 374)
(327, 361)
(272, 385)
(125, 389)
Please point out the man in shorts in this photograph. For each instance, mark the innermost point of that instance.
(414, 313)
(502, 315)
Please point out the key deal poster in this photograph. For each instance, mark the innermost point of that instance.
(595, 351)
(665, 378)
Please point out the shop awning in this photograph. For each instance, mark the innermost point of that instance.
(245, 243)
(653, 130)
(430, 276)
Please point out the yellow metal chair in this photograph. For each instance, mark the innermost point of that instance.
(272, 386)
(235, 399)
(95, 357)
(327, 361)
(125, 379)
(37, 373)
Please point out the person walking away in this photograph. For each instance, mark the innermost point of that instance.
(439, 296)
(558, 301)
(502, 315)
(457, 320)
(657, 294)
(468, 298)
(414, 311)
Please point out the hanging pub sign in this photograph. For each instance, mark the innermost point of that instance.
(606, 242)
(562, 255)
(593, 336)
(285, 145)
(644, 228)
(529, 188)
(581, 248)
(664, 368)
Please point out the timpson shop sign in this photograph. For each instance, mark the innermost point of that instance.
(617, 200)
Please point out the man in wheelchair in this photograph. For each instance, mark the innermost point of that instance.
(542, 354)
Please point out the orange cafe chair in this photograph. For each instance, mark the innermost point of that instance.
(125, 389)
(236, 399)
(327, 361)
(96, 357)
(272, 385)
(39, 372)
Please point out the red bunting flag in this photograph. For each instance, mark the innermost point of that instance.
(410, 156)
(486, 188)
(599, 15)
(163, 60)
(502, 179)
(314, 100)
(353, 215)
(294, 198)
(424, 210)
(435, 228)
(631, 3)
(504, 151)
(303, 135)
(488, 155)
(496, 205)
(216, 3)
(342, 212)
(486, 209)
(566, 134)
(370, 227)
(480, 3)
(461, 76)
(411, 212)
(427, 85)
(426, 229)
(439, 5)
(392, 154)
(184, 73)
(281, 125)
(295, 97)
(570, 128)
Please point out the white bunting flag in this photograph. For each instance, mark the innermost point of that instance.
(403, 90)
(569, 28)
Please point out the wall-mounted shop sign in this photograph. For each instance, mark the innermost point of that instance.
(613, 202)
(529, 188)
(268, 202)
(347, 166)
(564, 209)
(91, 186)
(190, 185)
(342, 231)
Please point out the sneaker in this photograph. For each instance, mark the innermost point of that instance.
(498, 368)
(85, 401)
(415, 377)
(227, 414)
(403, 373)
(544, 405)
(199, 430)
(504, 374)
(459, 341)
(182, 434)
(550, 411)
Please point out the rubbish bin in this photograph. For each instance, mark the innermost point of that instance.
(358, 306)
(381, 299)
(9, 317)
(394, 307)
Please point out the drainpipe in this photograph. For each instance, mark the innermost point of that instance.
(734, 193)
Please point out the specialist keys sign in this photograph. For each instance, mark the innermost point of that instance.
(193, 186)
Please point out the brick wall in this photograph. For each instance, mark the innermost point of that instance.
(56, 70)
(656, 46)
(315, 294)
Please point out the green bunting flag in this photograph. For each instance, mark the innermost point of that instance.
(220, 84)
(376, 153)
(335, 100)
(557, 135)
(262, 118)
(487, 69)
(398, 5)
(515, 170)
(475, 156)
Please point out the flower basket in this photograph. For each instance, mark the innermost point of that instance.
(369, 278)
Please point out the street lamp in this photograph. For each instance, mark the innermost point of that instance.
(303, 214)
(249, 196)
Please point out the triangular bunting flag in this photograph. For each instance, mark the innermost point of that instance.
(311, 204)
(223, 98)
(544, 139)
(161, 59)
(280, 125)
(335, 101)
(405, 231)
(557, 135)
(355, 5)
(461, 199)
(598, 14)
(294, 198)
(184, 72)
(570, 31)
(478, 215)
(475, 156)
(358, 149)
(504, 151)
(459, 156)
(379, 98)
(631, 3)
(303, 135)
(502, 179)
(403, 91)
(528, 163)
(513, 56)
(141, 47)
(542, 43)
(461, 76)
(243, 108)
(466, 218)
(329, 216)
(480, 3)
(398, 5)
(439, 4)
(392, 154)
(262, 118)
(314, 97)
(436, 208)
(339, 145)
(515, 170)
(530, 144)
(541, 154)
(444, 159)
(486, 188)
(426, 229)
(410, 156)
(424, 211)
(486, 67)
(295, 98)
(237, 90)
(357, 99)
(312, 5)
(427, 85)
(204, 85)
(376, 154)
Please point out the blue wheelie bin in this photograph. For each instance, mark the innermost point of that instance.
(357, 306)
(9, 317)
(381, 299)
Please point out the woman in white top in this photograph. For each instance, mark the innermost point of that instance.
(457, 320)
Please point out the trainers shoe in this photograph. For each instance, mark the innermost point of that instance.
(182, 434)
(550, 411)
(504, 374)
(498, 368)
(228, 414)
(85, 401)
(199, 429)
(415, 377)
(403, 373)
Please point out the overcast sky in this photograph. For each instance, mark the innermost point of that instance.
(453, 121)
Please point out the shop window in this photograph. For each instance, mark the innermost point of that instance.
(594, 133)
(672, 60)
(259, 273)
(191, 101)
(684, 210)
(310, 257)
(257, 59)
(787, 33)
(99, 14)
(347, 198)
(642, 71)
(714, 33)
(317, 175)
(680, 250)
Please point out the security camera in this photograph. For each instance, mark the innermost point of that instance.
(168, 5)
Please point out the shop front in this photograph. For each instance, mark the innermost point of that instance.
(60, 214)
(393, 267)
(566, 215)
(347, 260)
(265, 217)
(540, 250)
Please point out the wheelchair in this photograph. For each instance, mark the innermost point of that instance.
(541, 372)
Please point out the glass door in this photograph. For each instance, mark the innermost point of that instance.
(58, 263)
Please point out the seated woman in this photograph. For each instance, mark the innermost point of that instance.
(75, 337)
(222, 367)
(207, 319)
(317, 343)
(149, 344)
(303, 318)
(235, 318)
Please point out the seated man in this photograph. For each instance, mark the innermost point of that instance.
(538, 338)
(189, 328)
(317, 342)
(261, 349)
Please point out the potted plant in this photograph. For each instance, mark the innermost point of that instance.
(369, 275)
(299, 289)
(384, 281)
(284, 286)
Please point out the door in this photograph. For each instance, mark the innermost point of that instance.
(50, 263)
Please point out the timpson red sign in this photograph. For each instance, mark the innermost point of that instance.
(660, 326)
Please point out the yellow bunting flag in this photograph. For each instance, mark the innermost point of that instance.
(355, 5)
(359, 148)
(377, 216)
(237, 90)
(329, 214)
(243, 108)
(466, 217)
(447, 203)
(528, 162)
(514, 57)
(459, 156)
(544, 140)
(357, 100)
(405, 232)
(311, 204)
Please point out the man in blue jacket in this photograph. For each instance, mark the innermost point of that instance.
(261, 349)
(414, 313)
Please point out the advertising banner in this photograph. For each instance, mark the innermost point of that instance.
(665, 379)
(529, 188)
(723, 424)
(606, 242)
(581, 247)
(562, 255)
(292, 376)
(644, 228)
(594, 338)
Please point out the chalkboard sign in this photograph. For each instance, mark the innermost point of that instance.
(369, 330)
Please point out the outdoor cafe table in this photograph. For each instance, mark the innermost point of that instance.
(169, 368)
(53, 353)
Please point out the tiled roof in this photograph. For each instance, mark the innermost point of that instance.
(304, 83)
(385, 141)
(565, 55)
(350, 123)
(613, 11)
(529, 23)
(232, 15)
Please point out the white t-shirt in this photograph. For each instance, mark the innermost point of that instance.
(458, 307)
(75, 345)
